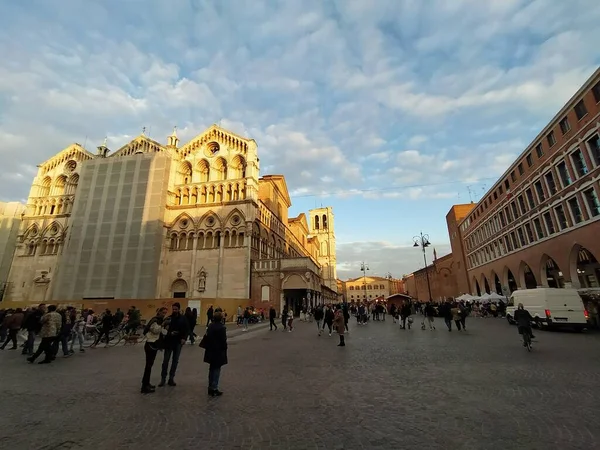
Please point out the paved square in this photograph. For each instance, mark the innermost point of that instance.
(388, 389)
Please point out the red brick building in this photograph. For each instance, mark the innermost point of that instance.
(538, 225)
(442, 280)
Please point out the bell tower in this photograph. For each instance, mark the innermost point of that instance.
(322, 226)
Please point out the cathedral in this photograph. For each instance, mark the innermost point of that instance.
(154, 221)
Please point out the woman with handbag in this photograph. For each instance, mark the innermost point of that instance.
(154, 336)
(214, 344)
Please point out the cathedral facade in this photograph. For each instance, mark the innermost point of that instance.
(154, 221)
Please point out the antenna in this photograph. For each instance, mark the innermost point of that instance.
(470, 194)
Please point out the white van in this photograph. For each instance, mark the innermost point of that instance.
(550, 307)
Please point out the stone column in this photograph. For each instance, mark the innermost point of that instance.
(194, 280)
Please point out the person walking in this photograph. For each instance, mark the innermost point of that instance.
(14, 323)
(329, 317)
(209, 315)
(284, 317)
(272, 317)
(51, 325)
(177, 332)
(215, 353)
(189, 316)
(338, 323)
(33, 326)
(319, 314)
(107, 324)
(153, 332)
(290, 317)
(430, 315)
(455, 311)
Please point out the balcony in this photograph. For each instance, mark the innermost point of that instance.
(284, 264)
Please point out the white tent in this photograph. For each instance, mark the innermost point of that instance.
(467, 298)
(495, 296)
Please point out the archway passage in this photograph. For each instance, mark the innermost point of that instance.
(554, 275)
(512, 283)
(295, 293)
(530, 281)
(477, 288)
(179, 288)
(497, 285)
(486, 285)
(588, 269)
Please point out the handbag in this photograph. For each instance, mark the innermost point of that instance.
(202, 343)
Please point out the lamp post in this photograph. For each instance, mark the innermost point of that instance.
(423, 241)
(364, 267)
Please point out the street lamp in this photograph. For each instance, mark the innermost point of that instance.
(364, 267)
(423, 241)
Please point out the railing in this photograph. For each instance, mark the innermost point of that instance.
(305, 264)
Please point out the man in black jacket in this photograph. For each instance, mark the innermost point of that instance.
(177, 328)
(272, 317)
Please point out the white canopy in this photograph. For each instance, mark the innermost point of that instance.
(467, 297)
(496, 296)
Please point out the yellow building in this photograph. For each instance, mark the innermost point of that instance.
(154, 221)
(363, 289)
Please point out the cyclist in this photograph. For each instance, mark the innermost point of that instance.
(523, 319)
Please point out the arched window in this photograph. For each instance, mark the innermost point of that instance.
(324, 221)
(190, 241)
(182, 241)
(204, 171)
(316, 222)
(174, 241)
(184, 173)
(220, 169)
(238, 167)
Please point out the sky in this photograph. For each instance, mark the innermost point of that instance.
(388, 111)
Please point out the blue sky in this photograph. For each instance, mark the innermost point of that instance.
(390, 111)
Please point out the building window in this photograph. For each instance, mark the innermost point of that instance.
(500, 190)
(551, 139)
(529, 160)
(549, 223)
(561, 217)
(563, 173)
(550, 183)
(506, 184)
(530, 200)
(591, 198)
(514, 240)
(539, 151)
(539, 191)
(508, 216)
(579, 163)
(575, 210)
(495, 195)
(508, 243)
(502, 221)
(520, 167)
(594, 146)
(513, 178)
(522, 237)
(515, 210)
(565, 127)
(580, 110)
(529, 232)
(538, 228)
(596, 91)
(522, 205)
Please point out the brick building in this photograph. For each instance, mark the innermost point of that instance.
(538, 225)
(443, 277)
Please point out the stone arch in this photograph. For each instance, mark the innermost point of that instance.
(32, 231)
(59, 185)
(174, 241)
(220, 169)
(53, 225)
(550, 273)
(45, 186)
(234, 212)
(476, 286)
(509, 280)
(178, 222)
(184, 173)
(583, 268)
(527, 278)
(238, 167)
(485, 285)
(294, 281)
(203, 168)
(72, 184)
(70, 166)
(496, 283)
(179, 288)
(203, 222)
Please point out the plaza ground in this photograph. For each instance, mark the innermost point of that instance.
(387, 389)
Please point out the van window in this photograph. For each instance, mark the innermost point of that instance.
(511, 301)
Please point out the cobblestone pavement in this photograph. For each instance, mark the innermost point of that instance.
(387, 389)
